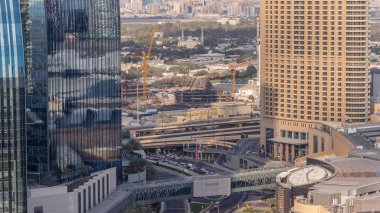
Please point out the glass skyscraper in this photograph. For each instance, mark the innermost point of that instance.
(12, 109)
(73, 85)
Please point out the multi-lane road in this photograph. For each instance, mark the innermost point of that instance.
(174, 206)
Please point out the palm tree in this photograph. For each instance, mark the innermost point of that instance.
(130, 147)
(151, 173)
(48, 180)
(83, 170)
(137, 164)
(67, 172)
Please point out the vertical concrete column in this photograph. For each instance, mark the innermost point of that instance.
(287, 152)
(281, 152)
(293, 153)
(275, 150)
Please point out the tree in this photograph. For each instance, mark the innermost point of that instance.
(126, 134)
(130, 147)
(83, 170)
(67, 172)
(251, 71)
(132, 74)
(151, 173)
(48, 180)
(201, 73)
(156, 72)
(140, 208)
(32, 182)
(208, 85)
(136, 165)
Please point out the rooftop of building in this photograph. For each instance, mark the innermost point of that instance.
(353, 175)
(363, 138)
(356, 166)
(341, 172)
(308, 175)
(304, 175)
(359, 141)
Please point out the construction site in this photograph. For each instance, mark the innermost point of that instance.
(192, 108)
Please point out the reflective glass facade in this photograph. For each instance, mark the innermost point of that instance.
(73, 78)
(12, 109)
(36, 92)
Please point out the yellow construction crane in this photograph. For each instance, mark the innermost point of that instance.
(146, 58)
(144, 67)
(233, 70)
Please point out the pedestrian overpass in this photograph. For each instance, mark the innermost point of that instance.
(188, 187)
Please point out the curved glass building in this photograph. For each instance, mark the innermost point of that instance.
(73, 78)
(12, 109)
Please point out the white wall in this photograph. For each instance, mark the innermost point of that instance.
(58, 200)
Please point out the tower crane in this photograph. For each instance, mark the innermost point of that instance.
(233, 71)
(146, 58)
(144, 66)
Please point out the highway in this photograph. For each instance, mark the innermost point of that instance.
(196, 164)
(174, 206)
(229, 204)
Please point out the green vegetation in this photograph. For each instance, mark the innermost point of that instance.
(151, 173)
(155, 72)
(140, 208)
(251, 71)
(198, 207)
(201, 73)
(136, 165)
(256, 211)
(131, 146)
(67, 173)
(173, 169)
(179, 69)
(83, 171)
(184, 81)
(133, 73)
(48, 180)
(190, 66)
(136, 37)
(126, 134)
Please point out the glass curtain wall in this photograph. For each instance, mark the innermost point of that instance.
(83, 72)
(73, 85)
(12, 109)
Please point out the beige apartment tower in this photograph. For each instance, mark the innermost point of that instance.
(314, 69)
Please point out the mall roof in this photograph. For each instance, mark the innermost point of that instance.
(356, 166)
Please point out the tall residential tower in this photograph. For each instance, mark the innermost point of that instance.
(314, 69)
(12, 110)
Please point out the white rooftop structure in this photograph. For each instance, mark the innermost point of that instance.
(310, 174)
